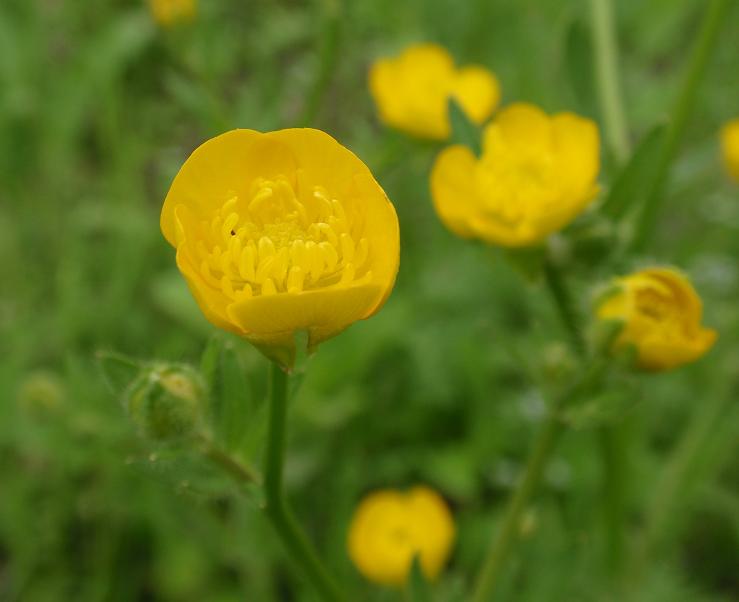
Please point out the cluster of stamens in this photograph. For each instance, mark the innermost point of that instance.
(275, 242)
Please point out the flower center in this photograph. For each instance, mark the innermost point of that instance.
(275, 242)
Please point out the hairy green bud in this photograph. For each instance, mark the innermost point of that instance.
(166, 401)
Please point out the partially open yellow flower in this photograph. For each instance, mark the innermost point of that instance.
(170, 12)
(661, 315)
(730, 147)
(390, 528)
(412, 91)
(535, 175)
(282, 232)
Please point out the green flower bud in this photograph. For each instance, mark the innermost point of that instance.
(167, 401)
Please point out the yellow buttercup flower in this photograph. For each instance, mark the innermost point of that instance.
(390, 528)
(535, 175)
(170, 12)
(661, 315)
(282, 232)
(730, 147)
(412, 91)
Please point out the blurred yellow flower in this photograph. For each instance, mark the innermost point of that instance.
(535, 175)
(730, 147)
(282, 232)
(412, 90)
(170, 12)
(390, 528)
(661, 315)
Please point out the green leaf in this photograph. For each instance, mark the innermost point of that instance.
(630, 185)
(464, 131)
(230, 393)
(418, 588)
(579, 65)
(119, 370)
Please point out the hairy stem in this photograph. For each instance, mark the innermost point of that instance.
(277, 508)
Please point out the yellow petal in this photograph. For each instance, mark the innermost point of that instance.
(220, 168)
(453, 188)
(477, 91)
(577, 150)
(270, 321)
(521, 125)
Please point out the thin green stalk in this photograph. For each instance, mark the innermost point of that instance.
(702, 50)
(507, 534)
(328, 55)
(612, 453)
(606, 75)
(610, 436)
(240, 472)
(277, 508)
(564, 304)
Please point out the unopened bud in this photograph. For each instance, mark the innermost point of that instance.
(166, 401)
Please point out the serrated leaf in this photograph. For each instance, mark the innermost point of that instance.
(579, 65)
(464, 131)
(418, 587)
(630, 185)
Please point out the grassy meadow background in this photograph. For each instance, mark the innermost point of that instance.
(446, 385)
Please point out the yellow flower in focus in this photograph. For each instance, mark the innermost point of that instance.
(730, 147)
(170, 12)
(412, 91)
(535, 175)
(661, 315)
(282, 232)
(390, 528)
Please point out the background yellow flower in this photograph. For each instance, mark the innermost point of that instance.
(730, 147)
(535, 175)
(390, 527)
(661, 313)
(412, 90)
(281, 232)
(170, 12)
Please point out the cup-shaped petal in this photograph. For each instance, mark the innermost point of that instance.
(535, 175)
(282, 232)
(730, 147)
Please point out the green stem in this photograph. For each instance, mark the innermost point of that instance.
(240, 472)
(612, 455)
(606, 74)
(277, 508)
(564, 304)
(611, 439)
(327, 61)
(704, 45)
(507, 534)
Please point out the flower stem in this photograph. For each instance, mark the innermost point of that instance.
(606, 74)
(610, 436)
(277, 508)
(704, 45)
(507, 533)
(563, 302)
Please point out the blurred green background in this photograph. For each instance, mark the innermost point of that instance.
(98, 109)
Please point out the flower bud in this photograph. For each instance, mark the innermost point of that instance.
(660, 313)
(166, 401)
